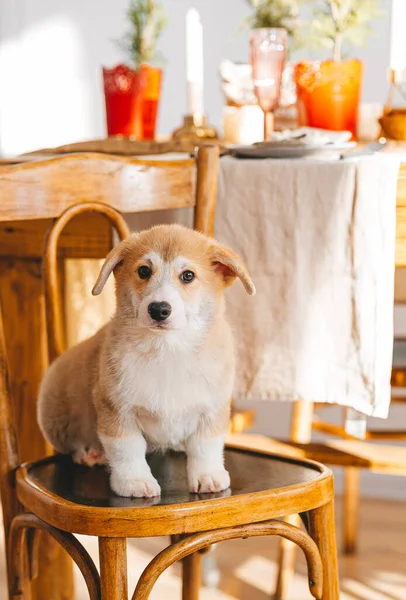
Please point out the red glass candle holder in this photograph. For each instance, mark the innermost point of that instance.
(132, 100)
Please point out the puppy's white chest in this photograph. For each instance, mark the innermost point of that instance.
(168, 394)
(162, 430)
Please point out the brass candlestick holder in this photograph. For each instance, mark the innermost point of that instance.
(397, 93)
(195, 129)
(393, 120)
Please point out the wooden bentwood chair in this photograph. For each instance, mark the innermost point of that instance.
(61, 498)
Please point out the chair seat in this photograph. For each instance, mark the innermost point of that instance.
(263, 486)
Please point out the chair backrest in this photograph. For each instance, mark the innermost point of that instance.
(46, 187)
(204, 174)
(52, 286)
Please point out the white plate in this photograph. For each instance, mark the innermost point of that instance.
(280, 150)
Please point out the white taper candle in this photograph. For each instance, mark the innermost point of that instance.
(194, 63)
(397, 61)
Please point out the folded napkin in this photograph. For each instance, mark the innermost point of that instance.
(309, 135)
(236, 83)
(319, 241)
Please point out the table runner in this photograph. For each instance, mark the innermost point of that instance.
(319, 241)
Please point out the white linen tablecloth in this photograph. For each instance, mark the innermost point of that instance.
(319, 240)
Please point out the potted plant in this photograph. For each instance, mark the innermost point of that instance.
(328, 92)
(132, 91)
(278, 14)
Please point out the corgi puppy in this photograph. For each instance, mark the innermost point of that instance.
(159, 375)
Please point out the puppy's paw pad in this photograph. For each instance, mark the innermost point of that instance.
(89, 458)
(209, 483)
(136, 488)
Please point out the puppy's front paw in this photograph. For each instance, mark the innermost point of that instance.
(206, 483)
(148, 487)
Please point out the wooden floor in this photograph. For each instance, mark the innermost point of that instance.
(248, 567)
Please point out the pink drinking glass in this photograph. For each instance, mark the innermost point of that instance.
(268, 49)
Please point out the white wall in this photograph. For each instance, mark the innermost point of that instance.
(51, 52)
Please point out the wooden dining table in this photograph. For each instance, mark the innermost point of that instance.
(29, 200)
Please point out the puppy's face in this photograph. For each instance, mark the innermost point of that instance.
(171, 278)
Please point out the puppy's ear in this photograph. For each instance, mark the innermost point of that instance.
(228, 265)
(114, 258)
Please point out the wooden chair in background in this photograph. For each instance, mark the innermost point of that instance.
(347, 452)
(63, 498)
(395, 455)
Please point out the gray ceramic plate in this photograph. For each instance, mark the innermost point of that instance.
(282, 150)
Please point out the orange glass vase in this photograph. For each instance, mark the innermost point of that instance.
(328, 94)
(132, 100)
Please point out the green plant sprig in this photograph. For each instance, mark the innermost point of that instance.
(336, 22)
(147, 19)
(277, 13)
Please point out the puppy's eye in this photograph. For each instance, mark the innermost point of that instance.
(187, 276)
(144, 272)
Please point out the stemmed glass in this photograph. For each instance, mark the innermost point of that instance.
(268, 49)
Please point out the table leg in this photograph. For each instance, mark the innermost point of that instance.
(191, 576)
(300, 431)
(351, 508)
(22, 303)
(286, 562)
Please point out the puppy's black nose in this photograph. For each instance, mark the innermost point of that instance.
(159, 311)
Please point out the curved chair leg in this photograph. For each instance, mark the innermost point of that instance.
(351, 509)
(286, 562)
(33, 545)
(19, 527)
(197, 541)
(113, 568)
(322, 529)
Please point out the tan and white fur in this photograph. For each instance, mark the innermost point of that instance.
(142, 384)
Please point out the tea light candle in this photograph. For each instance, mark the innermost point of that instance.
(397, 61)
(243, 125)
(194, 63)
(368, 127)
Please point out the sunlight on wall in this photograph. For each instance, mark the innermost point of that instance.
(45, 100)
